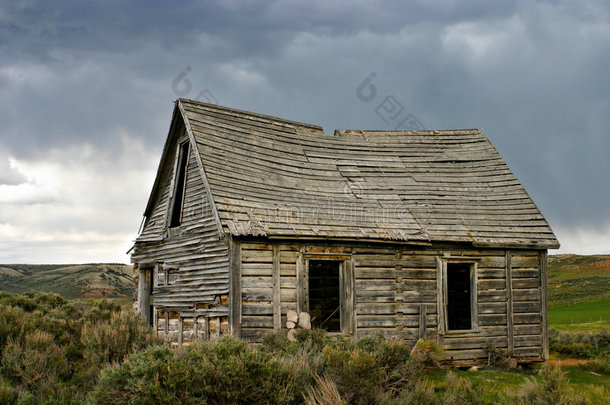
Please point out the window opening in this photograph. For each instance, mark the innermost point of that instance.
(179, 186)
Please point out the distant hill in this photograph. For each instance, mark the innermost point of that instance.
(96, 280)
(577, 279)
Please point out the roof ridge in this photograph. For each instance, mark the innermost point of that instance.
(250, 113)
(456, 131)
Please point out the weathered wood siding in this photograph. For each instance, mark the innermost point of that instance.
(397, 294)
(191, 263)
(528, 309)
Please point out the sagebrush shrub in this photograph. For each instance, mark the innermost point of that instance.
(599, 365)
(427, 353)
(45, 357)
(109, 341)
(226, 371)
(580, 344)
(38, 365)
(549, 390)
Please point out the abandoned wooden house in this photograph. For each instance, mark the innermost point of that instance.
(406, 233)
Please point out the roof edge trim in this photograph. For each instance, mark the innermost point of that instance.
(206, 183)
(153, 192)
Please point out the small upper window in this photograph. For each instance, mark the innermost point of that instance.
(180, 180)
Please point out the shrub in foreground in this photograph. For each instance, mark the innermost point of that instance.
(552, 388)
(52, 349)
(232, 371)
(227, 371)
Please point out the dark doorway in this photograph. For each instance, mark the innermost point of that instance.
(459, 297)
(324, 294)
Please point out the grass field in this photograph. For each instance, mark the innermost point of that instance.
(579, 292)
(496, 383)
(592, 312)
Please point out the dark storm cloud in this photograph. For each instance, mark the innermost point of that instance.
(534, 75)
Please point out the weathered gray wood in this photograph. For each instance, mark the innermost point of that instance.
(545, 303)
(451, 187)
(509, 304)
(277, 314)
(300, 269)
(144, 293)
(155, 323)
(474, 296)
(180, 331)
(422, 321)
(201, 168)
(440, 303)
(206, 328)
(350, 300)
(235, 295)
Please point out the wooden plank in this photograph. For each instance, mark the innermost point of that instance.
(300, 269)
(235, 293)
(474, 296)
(180, 331)
(206, 328)
(542, 265)
(533, 318)
(351, 298)
(277, 314)
(257, 321)
(440, 304)
(422, 321)
(144, 294)
(509, 304)
(471, 354)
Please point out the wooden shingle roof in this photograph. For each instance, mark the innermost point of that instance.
(282, 179)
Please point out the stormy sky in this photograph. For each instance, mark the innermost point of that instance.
(86, 93)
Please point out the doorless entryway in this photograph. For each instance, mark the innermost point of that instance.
(324, 294)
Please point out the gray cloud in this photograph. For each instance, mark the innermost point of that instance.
(88, 75)
(8, 175)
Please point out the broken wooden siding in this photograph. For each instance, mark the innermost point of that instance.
(191, 263)
(397, 294)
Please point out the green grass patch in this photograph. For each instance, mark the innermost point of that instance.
(584, 380)
(587, 312)
(495, 384)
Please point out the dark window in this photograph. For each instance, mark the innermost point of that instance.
(459, 296)
(324, 294)
(179, 185)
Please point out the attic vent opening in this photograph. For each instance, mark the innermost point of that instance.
(324, 294)
(176, 212)
(459, 296)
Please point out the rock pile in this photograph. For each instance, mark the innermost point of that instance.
(296, 321)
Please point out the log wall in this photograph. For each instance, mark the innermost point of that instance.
(396, 293)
